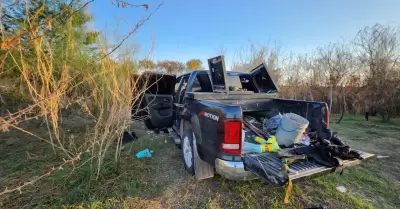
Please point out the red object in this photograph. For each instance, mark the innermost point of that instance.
(231, 142)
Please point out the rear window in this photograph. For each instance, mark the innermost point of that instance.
(202, 83)
(240, 83)
(158, 83)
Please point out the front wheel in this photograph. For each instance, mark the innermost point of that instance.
(187, 151)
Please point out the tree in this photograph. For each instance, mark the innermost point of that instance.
(293, 75)
(147, 64)
(336, 60)
(173, 67)
(62, 25)
(255, 54)
(194, 64)
(333, 63)
(249, 58)
(344, 106)
(378, 53)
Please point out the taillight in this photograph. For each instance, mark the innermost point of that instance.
(231, 142)
(327, 116)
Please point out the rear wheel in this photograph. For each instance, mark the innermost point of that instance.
(187, 151)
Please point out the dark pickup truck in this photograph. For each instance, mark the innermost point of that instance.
(204, 111)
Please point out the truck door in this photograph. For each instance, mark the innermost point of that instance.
(156, 103)
(178, 99)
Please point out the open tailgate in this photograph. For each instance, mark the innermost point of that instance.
(268, 166)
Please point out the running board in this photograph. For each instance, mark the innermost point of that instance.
(268, 166)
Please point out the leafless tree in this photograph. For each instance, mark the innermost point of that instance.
(294, 75)
(251, 56)
(330, 67)
(378, 53)
(336, 62)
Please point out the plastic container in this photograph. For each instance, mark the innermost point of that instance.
(290, 129)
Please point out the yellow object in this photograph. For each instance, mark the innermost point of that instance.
(264, 147)
(260, 140)
(272, 144)
(288, 191)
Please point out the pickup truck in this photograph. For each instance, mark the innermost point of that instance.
(204, 111)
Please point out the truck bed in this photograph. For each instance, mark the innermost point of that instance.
(241, 95)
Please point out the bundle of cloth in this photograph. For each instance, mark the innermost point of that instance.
(326, 148)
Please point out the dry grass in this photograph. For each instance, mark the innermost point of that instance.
(161, 180)
(51, 83)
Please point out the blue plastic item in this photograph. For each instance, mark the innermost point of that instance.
(252, 148)
(144, 153)
(272, 124)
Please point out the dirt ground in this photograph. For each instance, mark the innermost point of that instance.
(161, 181)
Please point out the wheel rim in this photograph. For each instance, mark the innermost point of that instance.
(187, 152)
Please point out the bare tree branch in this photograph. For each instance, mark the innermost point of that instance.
(130, 33)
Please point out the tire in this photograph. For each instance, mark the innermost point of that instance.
(187, 150)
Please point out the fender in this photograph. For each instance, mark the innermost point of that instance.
(185, 119)
(193, 121)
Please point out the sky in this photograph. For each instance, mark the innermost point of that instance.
(186, 29)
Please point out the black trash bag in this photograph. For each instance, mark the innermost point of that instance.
(318, 153)
(323, 133)
(327, 148)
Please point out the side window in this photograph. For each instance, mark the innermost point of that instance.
(205, 83)
(196, 87)
(202, 84)
(178, 80)
(184, 83)
(183, 88)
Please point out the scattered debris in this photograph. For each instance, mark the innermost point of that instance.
(144, 153)
(304, 140)
(272, 124)
(341, 189)
(128, 137)
(381, 156)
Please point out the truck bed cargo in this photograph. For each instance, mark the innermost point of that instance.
(268, 166)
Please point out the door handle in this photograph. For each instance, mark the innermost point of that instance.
(179, 105)
(166, 100)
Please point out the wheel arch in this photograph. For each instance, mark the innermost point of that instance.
(194, 123)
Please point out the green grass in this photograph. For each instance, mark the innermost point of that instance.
(161, 182)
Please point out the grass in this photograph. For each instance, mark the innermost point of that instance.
(161, 182)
